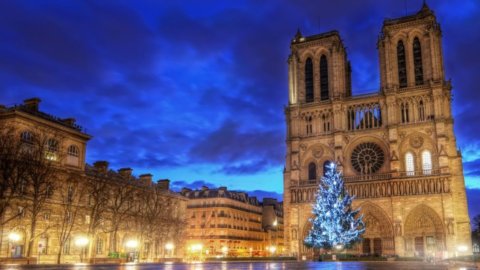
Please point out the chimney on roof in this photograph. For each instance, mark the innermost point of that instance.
(164, 184)
(125, 172)
(101, 166)
(269, 201)
(69, 121)
(146, 179)
(185, 190)
(32, 104)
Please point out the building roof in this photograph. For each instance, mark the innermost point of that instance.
(31, 107)
(424, 12)
(221, 192)
(299, 38)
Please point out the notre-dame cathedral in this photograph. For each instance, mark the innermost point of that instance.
(396, 148)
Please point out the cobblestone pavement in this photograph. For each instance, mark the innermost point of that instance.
(247, 266)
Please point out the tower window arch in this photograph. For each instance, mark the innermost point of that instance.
(309, 125)
(402, 65)
(417, 61)
(426, 162)
(409, 164)
(323, 78)
(312, 171)
(421, 111)
(404, 112)
(309, 80)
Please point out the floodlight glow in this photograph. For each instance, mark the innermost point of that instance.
(81, 241)
(14, 237)
(131, 244)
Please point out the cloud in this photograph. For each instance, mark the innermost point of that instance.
(473, 198)
(197, 184)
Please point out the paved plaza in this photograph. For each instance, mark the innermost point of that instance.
(249, 266)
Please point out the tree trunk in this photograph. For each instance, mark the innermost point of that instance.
(59, 254)
(33, 227)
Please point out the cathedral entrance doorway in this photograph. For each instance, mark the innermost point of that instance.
(378, 237)
(419, 251)
(424, 233)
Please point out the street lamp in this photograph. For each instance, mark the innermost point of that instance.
(14, 237)
(169, 247)
(272, 249)
(225, 251)
(81, 242)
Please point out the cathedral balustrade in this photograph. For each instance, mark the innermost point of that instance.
(407, 185)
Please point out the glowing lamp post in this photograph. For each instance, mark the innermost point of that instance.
(225, 251)
(132, 246)
(81, 242)
(14, 238)
(169, 247)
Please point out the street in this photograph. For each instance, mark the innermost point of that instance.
(246, 266)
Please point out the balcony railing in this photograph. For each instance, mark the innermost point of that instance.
(379, 176)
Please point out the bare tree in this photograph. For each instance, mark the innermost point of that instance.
(120, 206)
(98, 187)
(72, 195)
(12, 169)
(40, 179)
(157, 221)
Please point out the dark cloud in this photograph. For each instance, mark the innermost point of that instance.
(472, 168)
(229, 144)
(261, 194)
(473, 198)
(197, 184)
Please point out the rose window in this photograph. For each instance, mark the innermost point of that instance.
(367, 158)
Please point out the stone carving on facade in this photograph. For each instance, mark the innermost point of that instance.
(402, 134)
(317, 152)
(398, 228)
(346, 138)
(442, 150)
(450, 226)
(331, 144)
(416, 141)
(429, 131)
(394, 156)
(303, 147)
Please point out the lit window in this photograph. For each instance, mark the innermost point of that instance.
(426, 162)
(409, 164)
(52, 149)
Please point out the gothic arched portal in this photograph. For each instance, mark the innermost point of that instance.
(424, 232)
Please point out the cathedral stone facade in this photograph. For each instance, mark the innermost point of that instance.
(396, 148)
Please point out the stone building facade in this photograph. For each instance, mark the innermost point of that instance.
(229, 223)
(105, 209)
(396, 148)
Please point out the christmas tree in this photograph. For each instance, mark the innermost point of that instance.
(334, 222)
